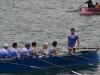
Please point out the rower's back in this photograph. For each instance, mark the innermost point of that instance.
(34, 51)
(13, 52)
(4, 52)
(24, 51)
(52, 50)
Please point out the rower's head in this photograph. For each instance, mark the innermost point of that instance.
(34, 44)
(27, 45)
(45, 45)
(54, 43)
(96, 3)
(6, 46)
(14, 45)
(72, 30)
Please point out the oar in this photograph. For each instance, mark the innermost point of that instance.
(21, 64)
(89, 59)
(80, 6)
(97, 48)
(79, 9)
(58, 66)
(75, 60)
(83, 57)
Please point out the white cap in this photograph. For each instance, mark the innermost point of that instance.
(45, 43)
(6, 45)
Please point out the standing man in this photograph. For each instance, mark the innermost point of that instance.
(90, 4)
(13, 52)
(72, 38)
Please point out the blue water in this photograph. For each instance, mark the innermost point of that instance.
(43, 21)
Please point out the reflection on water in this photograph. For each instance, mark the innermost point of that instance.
(83, 69)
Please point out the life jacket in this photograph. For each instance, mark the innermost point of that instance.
(97, 6)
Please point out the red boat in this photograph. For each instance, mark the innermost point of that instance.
(92, 11)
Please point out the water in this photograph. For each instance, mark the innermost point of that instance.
(43, 21)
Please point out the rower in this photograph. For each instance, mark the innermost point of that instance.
(52, 50)
(97, 5)
(24, 51)
(13, 52)
(90, 4)
(4, 52)
(41, 50)
(34, 50)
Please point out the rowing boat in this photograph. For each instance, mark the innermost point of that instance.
(92, 11)
(9, 64)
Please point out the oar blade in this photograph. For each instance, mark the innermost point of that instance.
(37, 67)
(76, 73)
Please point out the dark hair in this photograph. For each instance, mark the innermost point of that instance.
(54, 43)
(72, 29)
(96, 2)
(33, 43)
(14, 44)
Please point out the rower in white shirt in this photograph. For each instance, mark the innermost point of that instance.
(13, 52)
(4, 52)
(24, 51)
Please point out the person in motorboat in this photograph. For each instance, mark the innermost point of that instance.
(41, 53)
(72, 38)
(99, 6)
(13, 52)
(4, 52)
(52, 50)
(90, 4)
(24, 51)
(33, 51)
(96, 5)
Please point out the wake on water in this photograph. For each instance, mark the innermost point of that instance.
(69, 10)
(64, 12)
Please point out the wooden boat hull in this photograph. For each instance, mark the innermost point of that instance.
(55, 60)
(92, 11)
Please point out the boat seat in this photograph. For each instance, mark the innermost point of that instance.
(83, 52)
